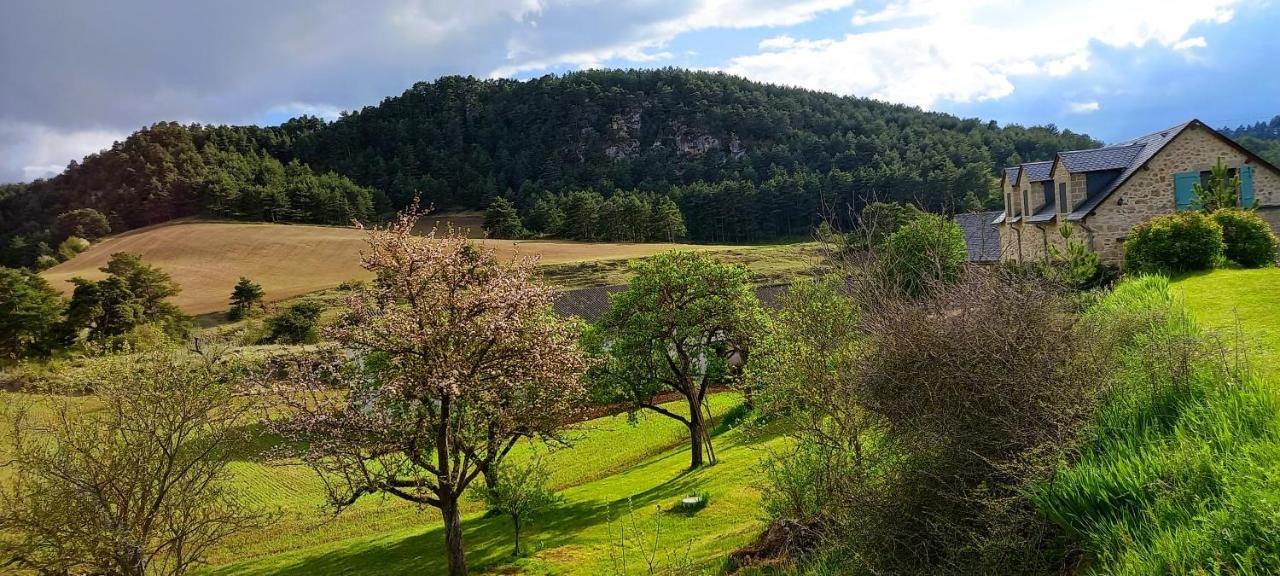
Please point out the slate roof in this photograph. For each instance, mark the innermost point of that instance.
(1039, 171)
(1011, 173)
(1045, 214)
(1108, 158)
(1145, 147)
(981, 237)
(591, 304)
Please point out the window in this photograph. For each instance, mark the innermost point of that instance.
(1026, 203)
(1008, 204)
(1063, 205)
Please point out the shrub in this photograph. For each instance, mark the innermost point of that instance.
(296, 325)
(1076, 266)
(1179, 242)
(928, 250)
(1249, 240)
(71, 246)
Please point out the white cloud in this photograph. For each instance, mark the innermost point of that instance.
(1083, 107)
(644, 42)
(924, 51)
(1189, 43)
(36, 151)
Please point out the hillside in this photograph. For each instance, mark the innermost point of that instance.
(744, 161)
(206, 258)
(1263, 138)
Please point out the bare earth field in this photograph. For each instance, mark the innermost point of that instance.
(207, 258)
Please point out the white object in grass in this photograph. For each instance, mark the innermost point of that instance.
(691, 501)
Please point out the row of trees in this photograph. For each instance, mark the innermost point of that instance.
(587, 215)
(133, 295)
(167, 171)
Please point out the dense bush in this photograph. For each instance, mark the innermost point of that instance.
(1177, 472)
(928, 250)
(30, 314)
(1179, 242)
(1249, 240)
(913, 446)
(295, 325)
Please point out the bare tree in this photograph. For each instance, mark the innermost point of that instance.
(130, 481)
(457, 357)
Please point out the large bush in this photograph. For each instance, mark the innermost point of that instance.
(926, 251)
(1179, 242)
(1249, 241)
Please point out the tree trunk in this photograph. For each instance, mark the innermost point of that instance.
(697, 432)
(453, 535)
(516, 520)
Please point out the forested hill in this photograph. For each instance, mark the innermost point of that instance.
(1263, 138)
(744, 161)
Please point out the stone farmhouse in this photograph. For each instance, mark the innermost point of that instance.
(1104, 192)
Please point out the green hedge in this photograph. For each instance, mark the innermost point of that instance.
(1179, 242)
(1248, 238)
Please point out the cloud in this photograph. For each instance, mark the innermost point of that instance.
(1189, 43)
(639, 37)
(30, 151)
(922, 52)
(1083, 107)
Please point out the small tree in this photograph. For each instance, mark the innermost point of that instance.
(86, 223)
(457, 356)
(666, 223)
(244, 298)
(674, 329)
(135, 486)
(296, 325)
(502, 220)
(30, 312)
(1222, 191)
(1076, 266)
(518, 490)
(133, 293)
(928, 250)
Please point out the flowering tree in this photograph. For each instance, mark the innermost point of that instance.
(457, 356)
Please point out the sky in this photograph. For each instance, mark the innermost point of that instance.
(76, 75)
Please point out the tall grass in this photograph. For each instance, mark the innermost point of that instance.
(1179, 470)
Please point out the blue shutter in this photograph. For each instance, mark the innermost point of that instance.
(1246, 187)
(1183, 188)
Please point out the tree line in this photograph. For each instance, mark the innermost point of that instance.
(1262, 138)
(712, 142)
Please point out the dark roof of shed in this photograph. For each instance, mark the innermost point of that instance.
(981, 237)
(591, 304)
(1039, 171)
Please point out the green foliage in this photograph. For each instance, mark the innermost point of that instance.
(86, 223)
(502, 221)
(1263, 138)
(518, 490)
(133, 293)
(295, 325)
(1076, 266)
(71, 246)
(244, 297)
(1221, 193)
(1174, 243)
(879, 220)
(30, 314)
(674, 328)
(926, 251)
(169, 170)
(1176, 473)
(1248, 238)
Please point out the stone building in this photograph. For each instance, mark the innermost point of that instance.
(1102, 193)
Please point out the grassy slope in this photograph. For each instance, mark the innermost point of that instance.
(206, 258)
(1242, 305)
(611, 468)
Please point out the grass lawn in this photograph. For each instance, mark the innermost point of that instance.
(1241, 305)
(615, 475)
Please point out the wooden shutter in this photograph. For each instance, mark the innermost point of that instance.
(1246, 187)
(1184, 188)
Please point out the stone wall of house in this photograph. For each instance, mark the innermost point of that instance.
(1149, 192)
(1077, 187)
(1035, 194)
